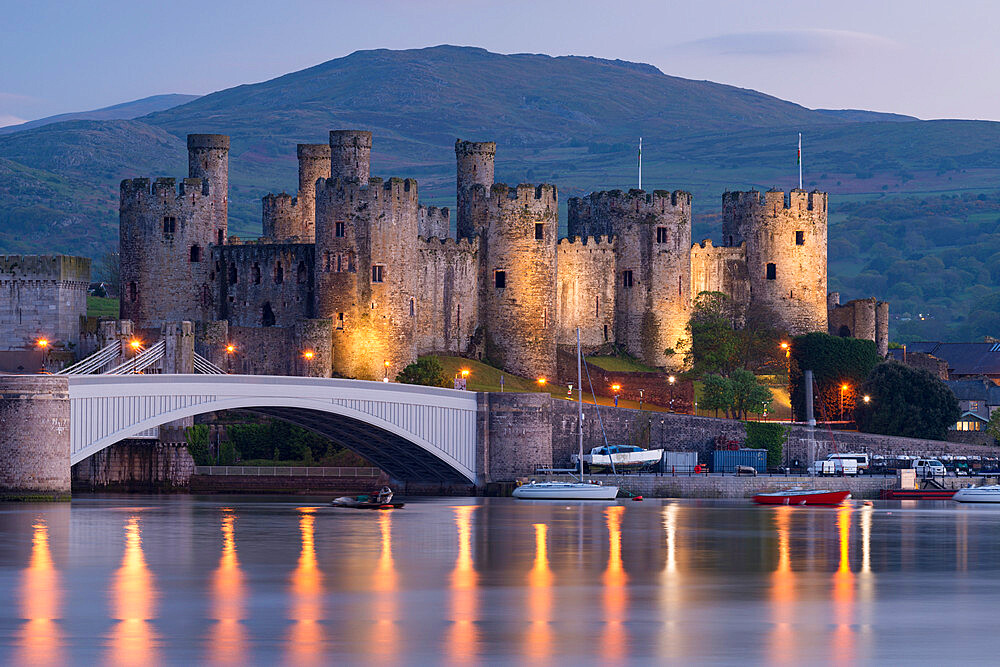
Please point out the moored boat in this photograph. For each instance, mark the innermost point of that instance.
(364, 503)
(565, 491)
(802, 497)
(978, 494)
(619, 457)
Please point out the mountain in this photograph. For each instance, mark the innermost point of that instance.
(574, 121)
(125, 110)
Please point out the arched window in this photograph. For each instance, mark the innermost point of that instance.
(301, 274)
(267, 318)
(133, 292)
(326, 261)
(279, 273)
(256, 273)
(196, 253)
(844, 331)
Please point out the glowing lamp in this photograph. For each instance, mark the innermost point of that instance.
(230, 349)
(616, 388)
(671, 379)
(308, 355)
(135, 344)
(465, 372)
(43, 343)
(867, 398)
(542, 381)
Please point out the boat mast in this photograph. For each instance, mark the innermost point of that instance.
(579, 383)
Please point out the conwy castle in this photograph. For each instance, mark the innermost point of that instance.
(357, 271)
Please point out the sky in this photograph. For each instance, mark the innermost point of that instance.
(917, 58)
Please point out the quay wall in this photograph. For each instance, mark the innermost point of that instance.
(712, 486)
(135, 466)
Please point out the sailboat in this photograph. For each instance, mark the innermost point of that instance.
(580, 490)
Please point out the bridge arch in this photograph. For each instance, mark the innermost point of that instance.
(410, 432)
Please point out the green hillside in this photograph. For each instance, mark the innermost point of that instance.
(573, 121)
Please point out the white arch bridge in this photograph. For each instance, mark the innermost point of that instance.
(411, 432)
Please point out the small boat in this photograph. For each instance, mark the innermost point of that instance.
(978, 494)
(565, 491)
(383, 501)
(917, 494)
(364, 503)
(624, 457)
(799, 496)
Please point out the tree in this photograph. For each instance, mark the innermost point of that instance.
(835, 362)
(906, 401)
(197, 444)
(993, 427)
(749, 395)
(772, 437)
(717, 394)
(427, 371)
(109, 268)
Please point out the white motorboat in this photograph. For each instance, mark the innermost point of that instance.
(569, 490)
(978, 494)
(620, 457)
(565, 491)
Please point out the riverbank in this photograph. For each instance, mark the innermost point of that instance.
(712, 486)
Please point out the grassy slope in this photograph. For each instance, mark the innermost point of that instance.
(100, 307)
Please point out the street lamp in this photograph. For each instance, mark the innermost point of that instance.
(43, 345)
(465, 372)
(671, 380)
(135, 344)
(308, 356)
(867, 398)
(542, 381)
(843, 388)
(385, 378)
(616, 388)
(640, 399)
(230, 351)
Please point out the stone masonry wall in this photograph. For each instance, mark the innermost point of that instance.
(42, 297)
(447, 286)
(720, 269)
(585, 294)
(34, 436)
(434, 222)
(519, 435)
(135, 465)
(264, 284)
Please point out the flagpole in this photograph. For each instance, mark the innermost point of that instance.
(800, 160)
(640, 163)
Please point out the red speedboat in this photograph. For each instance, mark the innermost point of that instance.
(802, 497)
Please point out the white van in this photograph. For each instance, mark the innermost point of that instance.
(929, 468)
(831, 466)
(863, 460)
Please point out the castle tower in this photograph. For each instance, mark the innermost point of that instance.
(518, 276)
(350, 155)
(314, 164)
(786, 244)
(166, 232)
(653, 266)
(208, 159)
(280, 217)
(474, 167)
(366, 273)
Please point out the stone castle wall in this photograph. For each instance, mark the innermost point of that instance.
(585, 292)
(434, 222)
(264, 284)
(518, 291)
(42, 297)
(861, 318)
(786, 245)
(34, 449)
(720, 269)
(447, 287)
(370, 288)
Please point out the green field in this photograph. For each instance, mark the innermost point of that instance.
(101, 307)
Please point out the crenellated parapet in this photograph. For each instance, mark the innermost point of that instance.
(434, 221)
(604, 212)
(265, 284)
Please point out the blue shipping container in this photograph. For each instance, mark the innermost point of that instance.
(726, 460)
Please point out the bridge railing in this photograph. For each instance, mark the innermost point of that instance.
(287, 471)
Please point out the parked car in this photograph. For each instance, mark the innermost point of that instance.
(929, 468)
(862, 459)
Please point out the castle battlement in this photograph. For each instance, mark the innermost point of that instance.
(774, 200)
(527, 195)
(605, 242)
(46, 268)
(459, 245)
(640, 201)
(165, 190)
(706, 244)
(373, 189)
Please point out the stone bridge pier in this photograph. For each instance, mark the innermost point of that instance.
(34, 437)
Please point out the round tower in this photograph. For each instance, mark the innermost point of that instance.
(474, 166)
(786, 239)
(280, 217)
(366, 277)
(314, 164)
(518, 277)
(350, 154)
(208, 159)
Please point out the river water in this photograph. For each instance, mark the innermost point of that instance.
(249, 580)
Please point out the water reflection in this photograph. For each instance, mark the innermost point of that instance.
(461, 640)
(133, 603)
(783, 598)
(306, 641)
(615, 595)
(670, 599)
(385, 638)
(538, 646)
(41, 640)
(228, 636)
(842, 639)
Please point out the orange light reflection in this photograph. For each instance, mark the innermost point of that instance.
(228, 637)
(842, 641)
(41, 641)
(306, 640)
(462, 636)
(385, 633)
(783, 598)
(133, 603)
(539, 639)
(615, 594)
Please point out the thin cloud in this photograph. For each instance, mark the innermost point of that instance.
(6, 120)
(784, 43)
